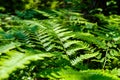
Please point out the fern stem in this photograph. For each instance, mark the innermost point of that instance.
(105, 60)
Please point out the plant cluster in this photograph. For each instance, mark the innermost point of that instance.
(63, 46)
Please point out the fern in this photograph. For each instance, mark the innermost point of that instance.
(115, 71)
(15, 59)
(56, 36)
(8, 47)
(83, 57)
(91, 39)
(70, 74)
(76, 42)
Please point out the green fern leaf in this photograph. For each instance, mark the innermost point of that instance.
(16, 59)
(70, 74)
(64, 33)
(65, 38)
(73, 50)
(83, 57)
(69, 43)
(7, 47)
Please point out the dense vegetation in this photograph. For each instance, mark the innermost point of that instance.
(59, 40)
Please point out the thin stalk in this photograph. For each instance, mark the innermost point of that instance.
(105, 60)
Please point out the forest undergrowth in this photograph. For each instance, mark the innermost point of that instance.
(59, 45)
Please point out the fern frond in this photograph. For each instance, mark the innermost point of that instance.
(61, 35)
(114, 53)
(75, 46)
(83, 57)
(98, 74)
(70, 74)
(115, 71)
(67, 38)
(73, 50)
(7, 47)
(91, 39)
(69, 43)
(15, 60)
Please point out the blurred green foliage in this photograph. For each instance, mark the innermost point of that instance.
(59, 39)
(14, 5)
(106, 7)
